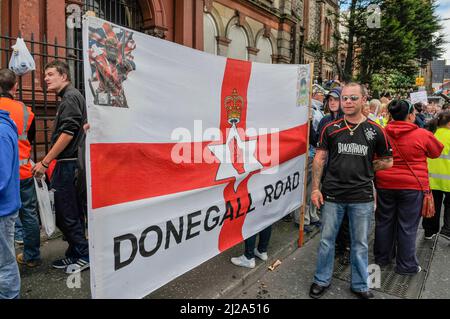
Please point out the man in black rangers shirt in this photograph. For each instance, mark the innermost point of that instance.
(353, 148)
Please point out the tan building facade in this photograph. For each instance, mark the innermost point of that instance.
(320, 23)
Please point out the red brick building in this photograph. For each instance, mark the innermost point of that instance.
(269, 31)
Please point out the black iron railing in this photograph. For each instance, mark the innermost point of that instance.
(32, 90)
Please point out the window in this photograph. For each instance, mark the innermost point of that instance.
(265, 50)
(209, 34)
(237, 49)
(126, 13)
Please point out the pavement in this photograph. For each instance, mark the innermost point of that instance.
(289, 280)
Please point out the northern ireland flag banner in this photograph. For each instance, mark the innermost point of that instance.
(188, 154)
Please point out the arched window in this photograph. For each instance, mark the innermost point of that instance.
(237, 49)
(209, 34)
(265, 50)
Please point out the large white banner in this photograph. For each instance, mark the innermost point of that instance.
(188, 154)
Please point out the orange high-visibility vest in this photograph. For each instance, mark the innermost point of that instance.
(22, 117)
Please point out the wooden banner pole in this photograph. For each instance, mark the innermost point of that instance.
(302, 208)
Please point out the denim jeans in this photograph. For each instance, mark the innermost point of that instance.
(9, 271)
(18, 230)
(359, 215)
(68, 209)
(250, 243)
(30, 221)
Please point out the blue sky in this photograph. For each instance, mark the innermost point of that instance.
(444, 12)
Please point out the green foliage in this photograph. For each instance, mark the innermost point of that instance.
(407, 38)
(392, 81)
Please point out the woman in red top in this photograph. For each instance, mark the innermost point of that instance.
(399, 193)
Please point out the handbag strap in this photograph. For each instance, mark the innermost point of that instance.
(409, 166)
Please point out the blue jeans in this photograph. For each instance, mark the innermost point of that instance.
(250, 243)
(18, 230)
(9, 272)
(30, 221)
(359, 215)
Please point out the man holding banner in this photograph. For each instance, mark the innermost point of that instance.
(67, 133)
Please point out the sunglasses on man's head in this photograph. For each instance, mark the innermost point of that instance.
(351, 97)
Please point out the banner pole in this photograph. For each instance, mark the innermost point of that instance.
(302, 208)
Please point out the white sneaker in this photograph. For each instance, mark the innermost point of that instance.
(262, 256)
(78, 266)
(243, 261)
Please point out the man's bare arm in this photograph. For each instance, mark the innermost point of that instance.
(317, 168)
(383, 163)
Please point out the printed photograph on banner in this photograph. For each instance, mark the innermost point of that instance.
(223, 160)
(303, 86)
(111, 60)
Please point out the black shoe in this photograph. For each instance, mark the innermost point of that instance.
(316, 291)
(444, 234)
(363, 294)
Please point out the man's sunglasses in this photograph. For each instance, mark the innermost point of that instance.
(351, 97)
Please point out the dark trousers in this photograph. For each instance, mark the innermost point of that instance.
(431, 225)
(250, 243)
(396, 221)
(69, 213)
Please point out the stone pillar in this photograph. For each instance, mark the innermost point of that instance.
(223, 43)
(189, 23)
(286, 7)
(284, 45)
(56, 24)
(252, 53)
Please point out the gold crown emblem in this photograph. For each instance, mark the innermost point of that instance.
(233, 105)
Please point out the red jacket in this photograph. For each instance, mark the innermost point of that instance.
(416, 144)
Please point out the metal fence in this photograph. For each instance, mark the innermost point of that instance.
(32, 90)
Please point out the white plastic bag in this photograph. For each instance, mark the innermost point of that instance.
(46, 205)
(21, 60)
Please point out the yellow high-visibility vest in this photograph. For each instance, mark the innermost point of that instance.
(382, 121)
(439, 168)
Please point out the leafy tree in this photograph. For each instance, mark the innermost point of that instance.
(407, 38)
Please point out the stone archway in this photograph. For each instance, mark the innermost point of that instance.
(154, 18)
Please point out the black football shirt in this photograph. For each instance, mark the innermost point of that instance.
(349, 175)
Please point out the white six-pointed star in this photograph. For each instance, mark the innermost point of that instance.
(228, 166)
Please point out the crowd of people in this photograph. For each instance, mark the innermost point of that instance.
(372, 156)
(366, 156)
(18, 201)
